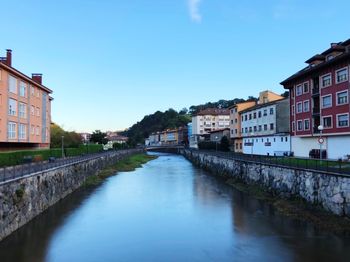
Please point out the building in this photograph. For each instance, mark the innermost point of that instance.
(182, 134)
(319, 96)
(208, 120)
(154, 139)
(235, 124)
(265, 127)
(217, 135)
(25, 108)
(169, 137)
(85, 137)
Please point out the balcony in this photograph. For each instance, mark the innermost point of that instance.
(316, 111)
(315, 91)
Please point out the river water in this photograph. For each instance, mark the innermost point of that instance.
(168, 211)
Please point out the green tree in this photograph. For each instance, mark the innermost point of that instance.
(99, 137)
(71, 139)
(225, 144)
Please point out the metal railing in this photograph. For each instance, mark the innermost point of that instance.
(18, 171)
(329, 166)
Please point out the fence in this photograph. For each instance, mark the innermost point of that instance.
(335, 167)
(13, 172)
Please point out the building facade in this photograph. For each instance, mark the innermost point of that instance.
(217, 135)
(319, 96)
(25, 108)
(265, 128)
(235, 124)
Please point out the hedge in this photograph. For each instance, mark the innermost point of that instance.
(18, 157)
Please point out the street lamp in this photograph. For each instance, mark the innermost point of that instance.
(320, 140)
(216, 143)
(62, 146)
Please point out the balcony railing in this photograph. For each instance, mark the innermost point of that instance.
(315, 91)
(316, 111)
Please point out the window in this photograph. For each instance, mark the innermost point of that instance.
(254, 115)
(246, 117)
(281, 139)
(37, 130)
(32, 129)
(231, 121)
(300, 125)
(250, 116)
(326, 80)
(232, 111)
(265, 112)
(271, 126)
(327, 101)
(12, 109)
(327, 122)
(242, 118)
(38, 113)
(342, 98)
(306, 106)
(22, 89)
(265, 127)
(242, 131)
(260, 128)
(32, 90)
(341, 75)
(32, 110)
(236, 131)
(293, 110)
(259, 114)
(307, 124)
(22, 131)
(293, 126)
(22, 110)
(255, 128)
(343, 120)
(271, 111)
(246, 130)
(250, 129)
(299, 90)
(306, 87)
(299, 107)
(11, 130)
(12, 84)
(286, 139)
(236, 120)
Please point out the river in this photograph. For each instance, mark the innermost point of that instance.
(168, 210)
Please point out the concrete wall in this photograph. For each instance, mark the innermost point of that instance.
(301, 146)
(330, 191)
(338, 146)
(24, 198)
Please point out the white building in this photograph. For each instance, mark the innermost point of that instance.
(206, 121)
(265, 128)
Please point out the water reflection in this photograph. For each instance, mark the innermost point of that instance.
(168, 211)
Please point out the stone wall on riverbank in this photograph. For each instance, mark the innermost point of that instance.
(331, 191)
(24, 198)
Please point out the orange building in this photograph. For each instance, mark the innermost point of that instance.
(25, 109)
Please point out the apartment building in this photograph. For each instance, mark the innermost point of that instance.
(319, 96)
(25, 108)
(265, 128)
(235, 124)
(208, 120)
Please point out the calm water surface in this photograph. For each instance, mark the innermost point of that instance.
(168, 211)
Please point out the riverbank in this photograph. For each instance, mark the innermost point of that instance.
(127, 164)
(296, 208)
(313, 196)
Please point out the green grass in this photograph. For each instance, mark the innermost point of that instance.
(125, 165)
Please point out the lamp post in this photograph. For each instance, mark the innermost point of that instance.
(216, 143)
(320, 140)
(62, 146)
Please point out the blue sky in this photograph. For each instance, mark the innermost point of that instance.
(110, 63)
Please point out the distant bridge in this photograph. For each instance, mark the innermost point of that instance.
(165, 148)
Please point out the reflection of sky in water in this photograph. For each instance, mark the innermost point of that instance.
(168, 211)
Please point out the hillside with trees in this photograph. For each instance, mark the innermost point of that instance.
(158, 121)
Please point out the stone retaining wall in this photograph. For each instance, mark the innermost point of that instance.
(329, 190)
(24, 198)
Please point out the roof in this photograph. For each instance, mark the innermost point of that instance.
(311, 69)
(23, 76)
(235, 105)
(263, 105)
(219, 130)
(213, 112)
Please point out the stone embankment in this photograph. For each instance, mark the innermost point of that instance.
(24, 198)
(331, 191)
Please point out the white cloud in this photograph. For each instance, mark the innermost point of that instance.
(193, 6)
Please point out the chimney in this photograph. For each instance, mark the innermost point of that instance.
(9, 57)
(37, 78)
(334, 44)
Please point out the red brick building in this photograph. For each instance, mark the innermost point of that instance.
(319, 95)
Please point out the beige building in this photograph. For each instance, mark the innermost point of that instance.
(25, 108)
